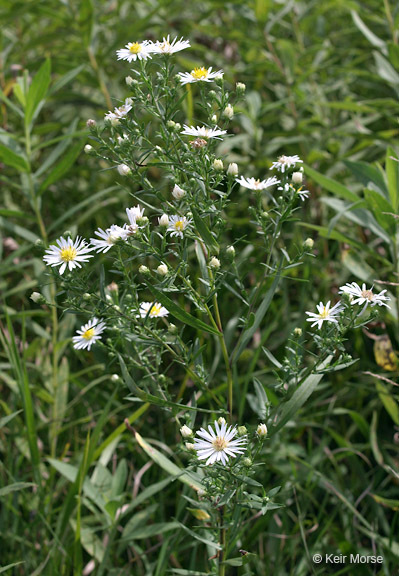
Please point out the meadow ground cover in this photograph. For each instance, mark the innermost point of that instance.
(200, 288)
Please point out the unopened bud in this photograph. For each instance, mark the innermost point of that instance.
(143, 269)
(230, 251)
(190, 446)
(162, 269)
(228, 112)
(218, 164)
(297, 177)
(88, 149)
(297, 332)
(261, 430)
(115, 378)
(240, 88)
(37, 298)
(221, 421)
(214, 119)
(91, 123)
(232, 169)
(214, 263)
(86, 296)
(308, 244)
(247, 462)
(172, 329)
(178, 193)
(186, 432)
(170, 124)
(130, 81)
(242, 430)
(164, 220)
(123, 170)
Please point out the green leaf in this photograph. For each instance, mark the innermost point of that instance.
(86, 20)
(262, 9)
(382, 211)
(385, 70)
(9, 566)
(371, 37)
(391, 406)
(298, 399)
(154, 530)
(13, 159)
(205, 233)
(62, 167)
(6, 419)
(193, 480)
(37, 91)
(370, 176)
(392, 171)
(331, 185)
(15, 487)
(179, 312)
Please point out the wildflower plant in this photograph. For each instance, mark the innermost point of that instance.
(147, 287)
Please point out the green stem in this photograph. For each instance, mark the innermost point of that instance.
(222, 566)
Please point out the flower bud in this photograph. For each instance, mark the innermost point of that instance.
(190, 446)
(214, 119)
(177, 127)
(247, 462)
(178, 193)
(230, 251)
(123, 170)
(308, 244)
(130, 81)
(113, 287)
(297, 177)
(88, 149)
(170, 124)
(143, 269)
(164, 220)
(240, 88)
(221, 421)
(172, 329)
(228, 112)
(232, 169)
(212, 94)
(186, 432)
(39, 243)
(242, 430)
(214, 263)
(218, 164)
(261, 430)
(297, 332)
(115, 378)
(86, 296)
(162, 269)
(37, 298)
(91, 123)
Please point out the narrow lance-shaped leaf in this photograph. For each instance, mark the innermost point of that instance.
(37, 91)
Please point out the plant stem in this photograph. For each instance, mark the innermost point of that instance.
(222, 566)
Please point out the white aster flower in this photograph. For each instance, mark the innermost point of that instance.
(89, 334)
(218, 445)
(285, 162)
(177, 225)
(152, 309)
(133, 215)
(136, 50)
(253, 184)
(203, 132)
(364, 295)
(325, 314)
(119, 113)
(107, 237)
(200, 75)
(303, 193)
(68, 253)
(168, 47)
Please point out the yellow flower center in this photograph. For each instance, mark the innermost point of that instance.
(368, 294)
(219, 444)
(88, 335)
(179, 225)
(68, 254)
(325, 313)
(199, 73)
(155, 310)
(135, 48)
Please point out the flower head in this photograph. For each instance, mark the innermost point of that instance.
(253, 184)
(120, 112)
(89, 334)
(285, 162)
(302, 193)
(218, 445)
(178, 193)
(108, 237)
(136, 51)
(177, 225)
(68, 253)
(203, 132)
(325, 314)
(134, 214)
(261, 430)
(152, 309)
(200, 75)
(168, 47)
(364, 295)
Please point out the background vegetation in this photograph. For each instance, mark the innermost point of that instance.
(322, 82)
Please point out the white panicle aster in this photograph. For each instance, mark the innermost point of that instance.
(325, 314)
(68, 253)
(203, 132)
(152, 309)
(136, 51)
(177, 225)
(285, 162)
(119, 113)
(89, 334)
(364, 295)
(303, 194)
(218, 445)
(168, 47)
(108, 237)
(200, 75)
(133, 215)
(178, 193)
(253, 184)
